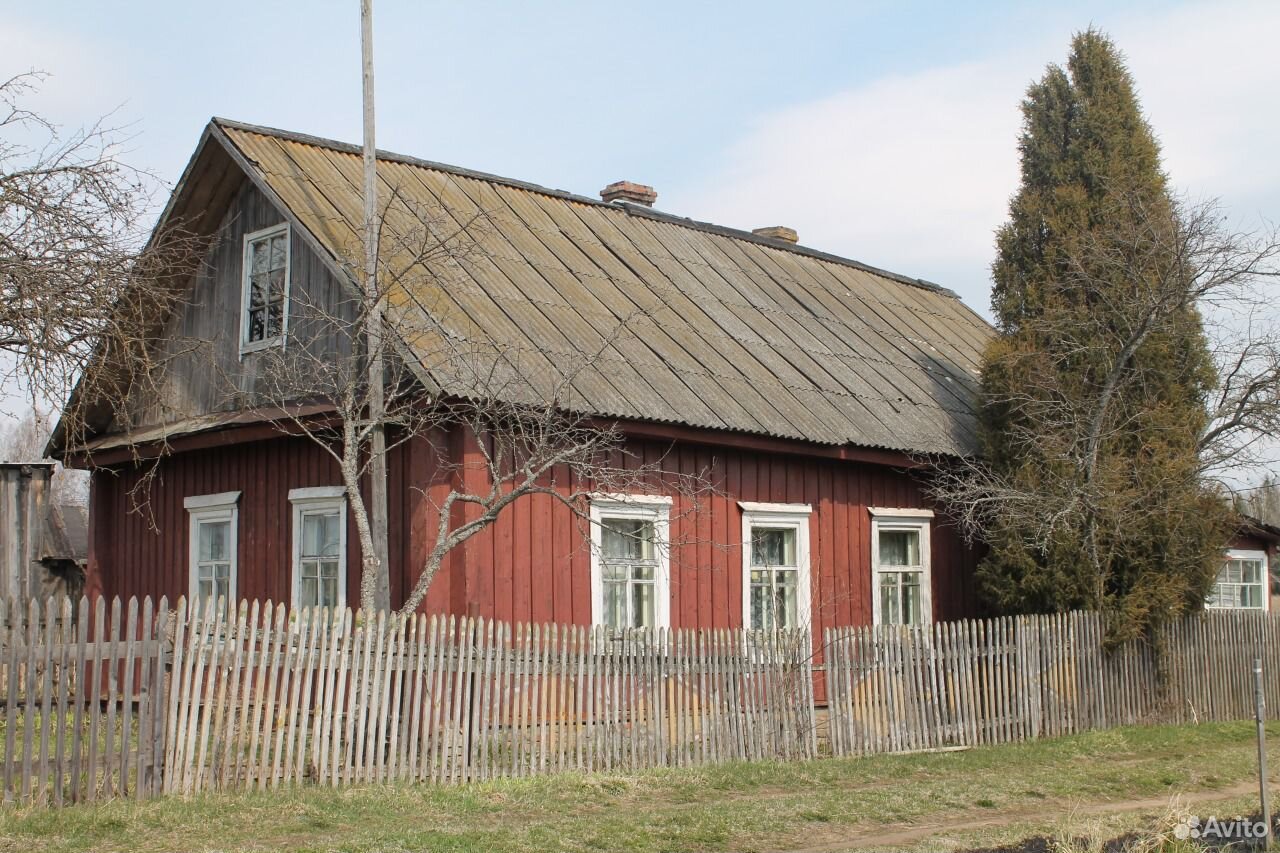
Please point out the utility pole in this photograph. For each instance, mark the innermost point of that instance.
(373, 330)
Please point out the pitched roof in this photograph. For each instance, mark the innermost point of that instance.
(695, 324)
(1252, 526)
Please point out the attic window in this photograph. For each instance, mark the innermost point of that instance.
(265, 298)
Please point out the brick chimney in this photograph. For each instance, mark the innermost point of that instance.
(777, 232)
(629, 192)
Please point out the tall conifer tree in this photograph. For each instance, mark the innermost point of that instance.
(1088, 400)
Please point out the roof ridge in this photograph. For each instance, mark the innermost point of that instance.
(630, 209)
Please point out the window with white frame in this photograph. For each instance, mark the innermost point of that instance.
(214, 520)
(265, 297)
(630, 561)
(319, 546)
(775, 565)
(1242, 583)
(900, 578)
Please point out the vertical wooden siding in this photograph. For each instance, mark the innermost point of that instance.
(140, 530)
(533, 565)
(200, 346)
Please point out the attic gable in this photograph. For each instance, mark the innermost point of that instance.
(202, 371)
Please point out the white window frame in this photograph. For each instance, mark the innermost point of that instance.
(223, 506)
(1265, 580)
(757, 514)
(653, 508)
(246, 345)
(903, 518)
(318, 499)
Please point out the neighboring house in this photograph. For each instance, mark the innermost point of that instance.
(805, 384)
(1248, 579)
(43, 543)
(64, 548)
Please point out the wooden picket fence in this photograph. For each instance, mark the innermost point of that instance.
(136, 700)
(261, 696)
(84, 693)
(265, 697)
(991, 681)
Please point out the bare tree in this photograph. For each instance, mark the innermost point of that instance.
(81, 287)
(25, 439)
(1261, 501)
(517, 410)
(1174, 260)
(381, 369)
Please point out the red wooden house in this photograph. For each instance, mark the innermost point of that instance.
(805, 384)
(1249, 578)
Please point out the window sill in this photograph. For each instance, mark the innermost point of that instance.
(258, 346)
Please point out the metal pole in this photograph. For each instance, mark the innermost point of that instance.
(1260, 709)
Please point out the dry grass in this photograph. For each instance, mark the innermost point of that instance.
(1026, 789)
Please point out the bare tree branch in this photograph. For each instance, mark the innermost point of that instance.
(81, 288)
(515, 409)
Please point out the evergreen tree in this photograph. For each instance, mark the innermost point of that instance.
(1095, 389)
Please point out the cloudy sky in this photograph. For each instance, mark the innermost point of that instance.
(884, 131)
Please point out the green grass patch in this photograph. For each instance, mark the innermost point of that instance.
(740, 807)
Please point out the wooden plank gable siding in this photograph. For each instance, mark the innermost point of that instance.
(205, 370)
(533, 565)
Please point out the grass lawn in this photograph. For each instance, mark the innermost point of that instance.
(1025, 789)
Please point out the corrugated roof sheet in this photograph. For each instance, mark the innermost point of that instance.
(652, 317)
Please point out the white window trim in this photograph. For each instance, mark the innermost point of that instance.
(631, 500)
(223, 506)
(206, 501)
(758, 514)
(655, 508)
(247, 346)
(905, 512)
(1242, 554)
(903, 519)
(313, 499)
(317, 493)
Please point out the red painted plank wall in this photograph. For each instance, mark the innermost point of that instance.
(1248, 542)
(534, 563)
(706, 564)
(139, 528)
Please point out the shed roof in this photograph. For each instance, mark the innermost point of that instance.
(663, 318)
(66, 532)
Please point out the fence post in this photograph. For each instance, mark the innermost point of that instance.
(1260, 707)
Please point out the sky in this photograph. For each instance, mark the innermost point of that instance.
(882, 131)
